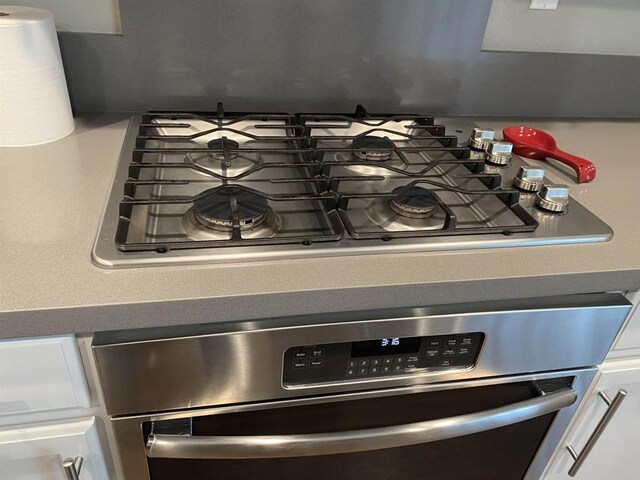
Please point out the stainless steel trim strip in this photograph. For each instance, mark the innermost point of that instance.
(277, 446)
(612, 408)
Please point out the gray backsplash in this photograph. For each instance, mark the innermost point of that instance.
(328, 55)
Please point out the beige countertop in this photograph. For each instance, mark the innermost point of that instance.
(51, 204)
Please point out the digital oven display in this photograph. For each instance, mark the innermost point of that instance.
(385, 346)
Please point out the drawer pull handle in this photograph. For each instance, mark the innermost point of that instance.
(71, 468)
(612, 408)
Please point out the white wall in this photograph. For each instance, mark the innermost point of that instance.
(89, 16)
(578, 26)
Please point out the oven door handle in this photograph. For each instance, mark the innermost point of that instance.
(302, 445)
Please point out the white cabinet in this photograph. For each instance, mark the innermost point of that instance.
(43, 380)
(40, 374)
(616, 455)
(628, 343)
(36, 452)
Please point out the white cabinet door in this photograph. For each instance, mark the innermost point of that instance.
(41, 374)
(36, 452)
(616, 455)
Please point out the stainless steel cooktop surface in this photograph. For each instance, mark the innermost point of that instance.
(227, 187)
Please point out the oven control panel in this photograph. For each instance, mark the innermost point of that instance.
(363, 360)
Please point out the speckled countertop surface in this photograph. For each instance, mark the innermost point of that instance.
(51, 204)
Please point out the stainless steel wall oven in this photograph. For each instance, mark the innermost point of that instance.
(473, 391)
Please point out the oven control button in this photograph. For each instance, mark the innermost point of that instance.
(362, 371)
(386, 369)
(300, 364)
(387, 361)
(400, 359)
(412, 359)
(316, 363)
(445, 363)
(463, 351)
(452, 342)
(374, 371)
(352, 364)
(466, 341)
(364, 362)
(375, 362)
(411, 365)
(434, 342)
(433, 352)
(398, 368)
(317, 352)
(299, 354)
(351, 372)
(449, 351)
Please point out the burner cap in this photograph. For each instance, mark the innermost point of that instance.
(363, 146)
(219, 144)
(413, 202)
(213, 208)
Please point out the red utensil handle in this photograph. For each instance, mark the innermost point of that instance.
(585, 170)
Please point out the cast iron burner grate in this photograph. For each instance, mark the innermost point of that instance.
(372, 176)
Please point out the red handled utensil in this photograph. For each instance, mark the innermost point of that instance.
(538, 145)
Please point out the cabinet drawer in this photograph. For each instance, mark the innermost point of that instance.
(39, 374)
(36, 452)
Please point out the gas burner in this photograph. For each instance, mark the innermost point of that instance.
(366, 148)
(413, 202)
(211, 216)
(215, 208)
(370, 147)
(412, 209)
(214, 162)
(218, 143)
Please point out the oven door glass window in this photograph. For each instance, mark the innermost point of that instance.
(496, 451)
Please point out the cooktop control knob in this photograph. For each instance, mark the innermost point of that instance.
(499, 153)
(479, 155)
(553, 198)
(481, 138)
(529, 179)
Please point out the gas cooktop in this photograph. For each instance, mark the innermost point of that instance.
(221, 187)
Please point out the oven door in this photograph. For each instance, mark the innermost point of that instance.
(497, 429)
